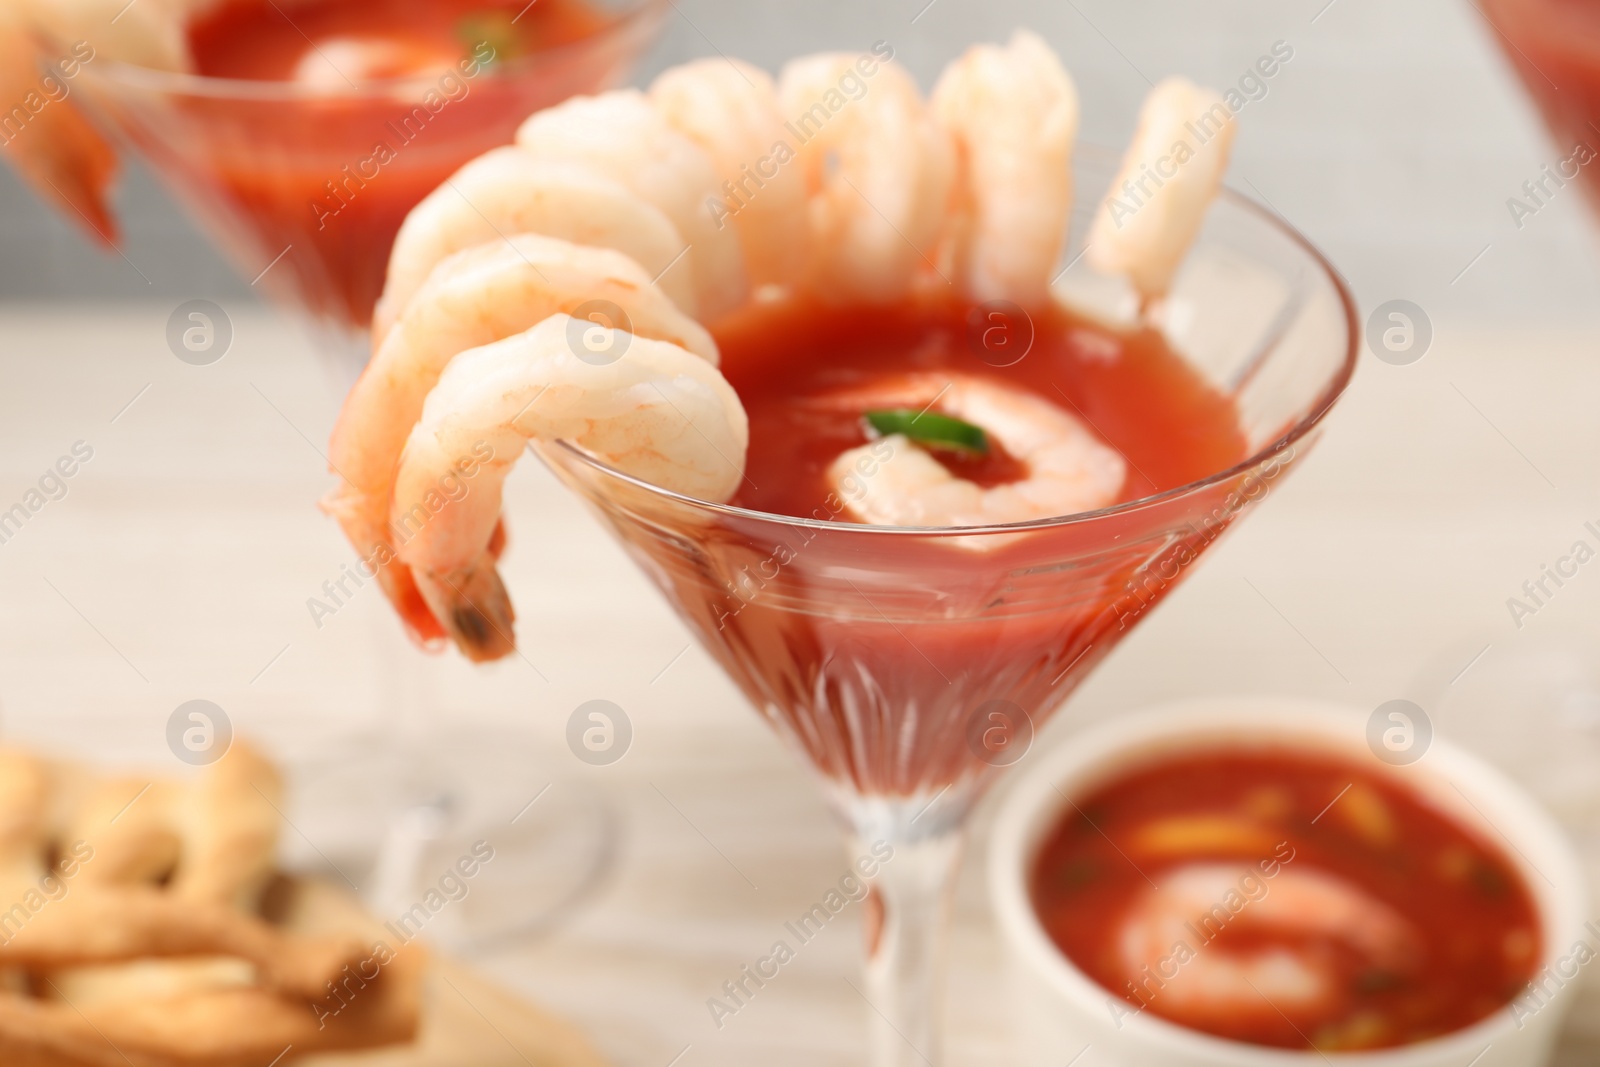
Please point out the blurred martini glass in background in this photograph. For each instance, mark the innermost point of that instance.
(907, 665)
(304, 134)
(1555, 47)
(308, 130)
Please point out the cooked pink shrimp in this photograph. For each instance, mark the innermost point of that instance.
(150, 33)
(473, 298)
(730, 109)
(48, 140)
(651, 409)
(619, 134)
(1013, 113)
(896, 482)
(1169, 177)
(337, 64)
(509, 191)
(1205, 981)
(878, 172)
(55, 148)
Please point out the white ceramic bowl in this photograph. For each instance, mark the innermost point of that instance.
(1062, 1012)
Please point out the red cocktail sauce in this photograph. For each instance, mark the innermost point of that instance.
(1475, 934)
(1130, 389)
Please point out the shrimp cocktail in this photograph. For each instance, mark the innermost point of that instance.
(908, 439)
(1555, 47)
(299, 131)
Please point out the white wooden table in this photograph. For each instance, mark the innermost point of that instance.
(179, 562)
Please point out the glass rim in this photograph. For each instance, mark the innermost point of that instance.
(1321, 405)
(186, 83)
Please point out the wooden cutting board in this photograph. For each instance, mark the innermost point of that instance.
(468, 1021)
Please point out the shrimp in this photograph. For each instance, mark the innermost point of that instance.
(472, 298)
(508, 191)
(47, 138)
(336, 64)
(1195, 903)
(878, 172)
(1170, 175)
(620, 135)
(730, 109)
(655, 411)
(1013, 114)
(895, 482)
(150, 33)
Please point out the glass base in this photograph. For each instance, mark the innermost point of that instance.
(464, 840)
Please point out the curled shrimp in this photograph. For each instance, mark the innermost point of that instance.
(895, 482)
(472, 298)
(619, 134)
(1304, 909)
(47, 138)
(878, 173)
(150, 33)
(652, 409)
(509, 191)
(1169, 176)
(1013, 115)
(730, 109)
(56, 149)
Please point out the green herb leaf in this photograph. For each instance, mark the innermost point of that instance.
(1075, 874)
(491, 28)
(1378, 981)
(930, 429)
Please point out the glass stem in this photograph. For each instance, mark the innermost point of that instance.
(907, 923)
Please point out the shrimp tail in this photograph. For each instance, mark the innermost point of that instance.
(377, 559)
(474, 607)
(76, 171)
(399, 584)
(59, 152)
(418, 613)
(404, 592)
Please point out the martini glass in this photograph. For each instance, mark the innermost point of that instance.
(288, 181)
(1555, 47)
(908, 665)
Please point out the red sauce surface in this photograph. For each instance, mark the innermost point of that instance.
(264, 40)
(1139, 397)
(1555, 46)
(326, 180)
(1479, 930)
